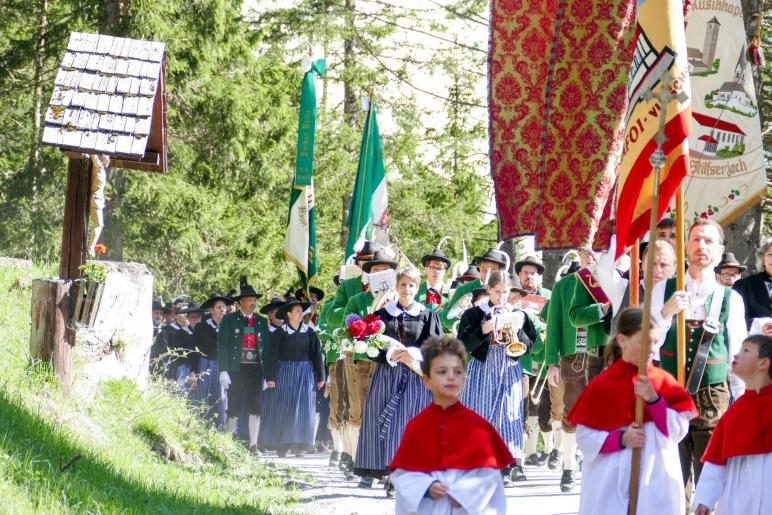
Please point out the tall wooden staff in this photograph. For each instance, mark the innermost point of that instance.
(657, 160)
(680, 273)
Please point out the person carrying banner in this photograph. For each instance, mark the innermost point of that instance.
(715, 329)
(604, 415)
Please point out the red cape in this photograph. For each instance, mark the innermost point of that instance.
(451, 438)
(745, 428)
(608, 401)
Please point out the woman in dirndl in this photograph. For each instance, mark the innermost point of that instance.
(396, 393)
(494, 380)
(205, 338)
(294, 370)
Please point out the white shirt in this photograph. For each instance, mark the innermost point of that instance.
(698, 292)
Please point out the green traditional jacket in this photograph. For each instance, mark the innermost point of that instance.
(584, 311)
(717, 369)
(561, 334)
(325, 333)
(460, 292)
(359, 304)
(346, 290)
(230, 339)
(421, 297)
(536, 354)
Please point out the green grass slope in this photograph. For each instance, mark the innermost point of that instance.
(124, 451)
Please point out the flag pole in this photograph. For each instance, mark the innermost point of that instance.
(635, 274)
(680, 276)
(658, 161)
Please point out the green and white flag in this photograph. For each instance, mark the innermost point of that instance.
(368, 214)
(300, 241)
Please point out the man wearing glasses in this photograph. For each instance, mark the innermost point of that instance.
(728, 271)
(431, 292)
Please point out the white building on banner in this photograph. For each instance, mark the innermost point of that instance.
(714, 134)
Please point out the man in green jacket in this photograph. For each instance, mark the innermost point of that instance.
(492, 260)
(357, 368)
(240, 339)
(431, 292)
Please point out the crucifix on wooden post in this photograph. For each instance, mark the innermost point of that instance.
(665, 95)
(108, 106)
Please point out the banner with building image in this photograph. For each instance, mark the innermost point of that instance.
(727, 174)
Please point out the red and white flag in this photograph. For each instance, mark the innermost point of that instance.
(660, 48)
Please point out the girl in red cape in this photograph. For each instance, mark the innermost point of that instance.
(606, 433)
(449, 458)
(737, 471)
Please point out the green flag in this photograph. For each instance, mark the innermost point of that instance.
(300, 241)
(368, 214)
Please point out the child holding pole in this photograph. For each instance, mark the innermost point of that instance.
(607, 433)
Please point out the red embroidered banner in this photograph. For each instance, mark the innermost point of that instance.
(557, 102)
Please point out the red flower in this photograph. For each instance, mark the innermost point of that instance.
(373, 327)
(357, 329)
(100, 249)
(371, 318)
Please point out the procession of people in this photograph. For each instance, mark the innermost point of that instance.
(548, 378)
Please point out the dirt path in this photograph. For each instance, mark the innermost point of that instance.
(332, 494)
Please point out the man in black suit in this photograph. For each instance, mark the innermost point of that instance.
(756, 289)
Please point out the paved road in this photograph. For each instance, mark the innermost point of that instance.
(332, 494)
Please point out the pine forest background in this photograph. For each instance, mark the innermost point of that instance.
(233, 88)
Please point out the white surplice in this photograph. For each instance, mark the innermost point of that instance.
(741, 487)
(478, 491)
(606, 477)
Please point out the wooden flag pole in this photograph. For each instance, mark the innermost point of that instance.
(665, 95)
(635, 274)
(680, 276)
(657, 157)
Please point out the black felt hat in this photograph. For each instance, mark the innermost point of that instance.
(291, 302)
(313, 289)
(516, 286)
(157, 306)
(494, 256)
(728, 261)
(193, 307)
(213, 298)
(436, 255)
(246, 290)
(379, 258)
(276, 303)
(471, 273)
(168, 308)
(368, 249)
(530, 260)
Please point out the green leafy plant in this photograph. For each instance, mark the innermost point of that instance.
(93, 272)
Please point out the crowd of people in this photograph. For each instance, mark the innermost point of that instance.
(551, 377)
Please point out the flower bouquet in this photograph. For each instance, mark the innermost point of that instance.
(368, 338)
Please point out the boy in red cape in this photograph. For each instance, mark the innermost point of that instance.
(606, 432)
(737, 474)
(450, 458)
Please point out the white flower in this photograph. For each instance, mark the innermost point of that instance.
(360, 347)
(373, 352)
(346, 345)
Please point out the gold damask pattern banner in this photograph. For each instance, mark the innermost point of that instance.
(557, 102)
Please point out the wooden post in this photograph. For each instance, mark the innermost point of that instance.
(680, 276)
(50, 339)
(75, 218)
(635, 274)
